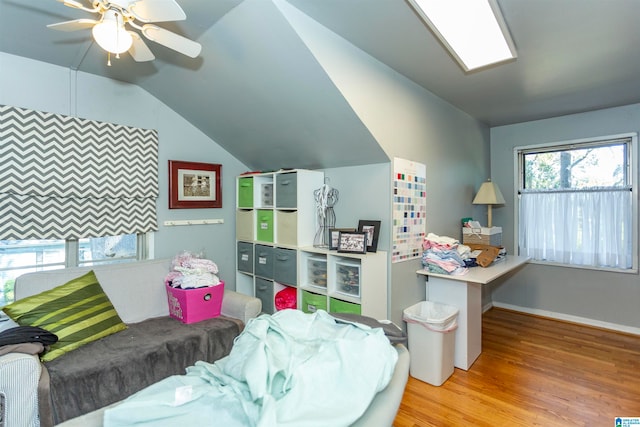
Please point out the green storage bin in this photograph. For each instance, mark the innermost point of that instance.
(245, 192)
(313, 302)
(264, 225)
(339, 306)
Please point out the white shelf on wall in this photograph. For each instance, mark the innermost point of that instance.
(173, 223)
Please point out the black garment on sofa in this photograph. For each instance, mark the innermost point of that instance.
(113, 368)
(26, 334)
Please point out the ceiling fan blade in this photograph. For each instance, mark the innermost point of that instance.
(139, 50)
(75, 25)
(171, 40)
(72, 3)
(157, 11)
(78, 5)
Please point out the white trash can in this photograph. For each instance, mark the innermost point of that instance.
(431, 328)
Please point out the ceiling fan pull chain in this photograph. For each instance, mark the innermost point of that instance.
(118, 24)
(108, 59)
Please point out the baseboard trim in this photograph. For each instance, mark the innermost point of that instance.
(566, 317)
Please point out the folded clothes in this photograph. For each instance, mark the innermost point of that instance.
(444, 255)
(196, 265)
(189, 271)
(190, 281)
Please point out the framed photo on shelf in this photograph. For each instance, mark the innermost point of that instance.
(194, 185)
(372, 230)
(352, 242)
(334, 236)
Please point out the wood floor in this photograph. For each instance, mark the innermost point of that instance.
(533, 372)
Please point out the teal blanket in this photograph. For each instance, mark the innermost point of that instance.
(286, 369)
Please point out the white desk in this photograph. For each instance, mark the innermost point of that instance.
(465, 293)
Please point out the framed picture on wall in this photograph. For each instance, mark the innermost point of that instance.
(372, 230)
(194, 185)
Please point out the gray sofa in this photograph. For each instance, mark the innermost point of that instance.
(380, 413)
(137, 305)
(108, 370)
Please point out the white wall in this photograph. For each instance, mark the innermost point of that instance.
(596, 297)
(36, 85)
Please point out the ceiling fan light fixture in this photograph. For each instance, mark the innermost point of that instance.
(110, 33)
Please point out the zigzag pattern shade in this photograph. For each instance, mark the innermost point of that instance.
(27, 217)
(63, 177)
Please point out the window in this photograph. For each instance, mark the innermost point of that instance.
(23, 256)
(577, 203)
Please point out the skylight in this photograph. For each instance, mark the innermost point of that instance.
(474, 31)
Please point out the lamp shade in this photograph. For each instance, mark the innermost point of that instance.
(489, 194)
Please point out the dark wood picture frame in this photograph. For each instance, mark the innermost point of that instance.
(372, 230)
(334, 236)
(352, 242)
(194, 185)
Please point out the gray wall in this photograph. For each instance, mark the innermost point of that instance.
(364, 194)
(413, 124)
(596, 297)
(454, 148)
(406, 120)
(40, 86)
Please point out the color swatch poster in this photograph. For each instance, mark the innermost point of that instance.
(409, 207)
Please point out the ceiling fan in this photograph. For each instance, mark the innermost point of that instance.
(111, 33)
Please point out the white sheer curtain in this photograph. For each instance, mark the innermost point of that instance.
(590, 228)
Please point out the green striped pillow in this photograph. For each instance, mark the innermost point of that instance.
(78, 312)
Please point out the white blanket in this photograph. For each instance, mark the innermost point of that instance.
(287, 369)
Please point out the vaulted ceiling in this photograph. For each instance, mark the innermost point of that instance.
(258, 91)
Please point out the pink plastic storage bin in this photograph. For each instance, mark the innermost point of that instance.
(195, 305)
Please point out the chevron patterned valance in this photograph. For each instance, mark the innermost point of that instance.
(62, 177)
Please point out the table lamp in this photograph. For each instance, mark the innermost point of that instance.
(489, 194)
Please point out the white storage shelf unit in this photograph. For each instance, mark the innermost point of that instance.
(278, 208)
(275, 214)
(359, 279)
(275, 230)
